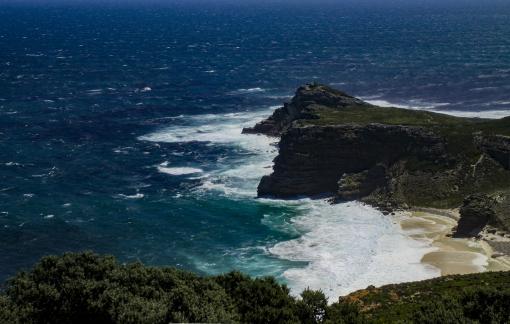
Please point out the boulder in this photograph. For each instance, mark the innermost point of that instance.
(475, 214)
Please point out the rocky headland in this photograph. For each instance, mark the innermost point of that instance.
(337, 145)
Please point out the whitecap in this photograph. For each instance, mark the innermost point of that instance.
(12, 164)
(501, 102)
(483, 89)
(247, 91)
(135, 196)
(179, 170)
(94, 92)
(282, 96)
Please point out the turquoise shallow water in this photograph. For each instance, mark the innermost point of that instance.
(120, 129)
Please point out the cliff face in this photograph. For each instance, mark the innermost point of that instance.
(313, 159)
(332, 143)
(479, 210)
(498, 147)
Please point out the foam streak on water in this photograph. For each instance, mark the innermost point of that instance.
(350, 246)
(344, 247)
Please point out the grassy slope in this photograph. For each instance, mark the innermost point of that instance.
(450, 126)
(393, 303)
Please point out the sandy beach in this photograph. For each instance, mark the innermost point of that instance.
(450, 255)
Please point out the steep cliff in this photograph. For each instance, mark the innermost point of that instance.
(312, 159)
(334, 144)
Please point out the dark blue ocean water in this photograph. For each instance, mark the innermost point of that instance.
(119, 125)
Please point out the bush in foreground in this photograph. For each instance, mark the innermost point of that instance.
(88, 288)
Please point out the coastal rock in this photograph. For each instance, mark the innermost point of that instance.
(353, 186)
(475, 214)
(498, 147)
(313, 159)
(501, 211)
(480, 210)
(306, 96)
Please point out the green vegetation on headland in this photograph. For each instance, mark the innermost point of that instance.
(462, 149)
(458, 131)
(391, 158)
(88, 288)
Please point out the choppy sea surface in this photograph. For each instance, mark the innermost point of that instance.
(120, 129)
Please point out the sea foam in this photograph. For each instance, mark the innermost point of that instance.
(247, 91)
(240, 176)
(179, 171)
(349, 246)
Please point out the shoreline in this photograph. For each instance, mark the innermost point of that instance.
(450, 255)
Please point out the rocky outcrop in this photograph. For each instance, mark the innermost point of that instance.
(299, 108)
(479, 210)
(313, 159)
(352, 186)
(501, 211)
(475, 214)
(498, 147)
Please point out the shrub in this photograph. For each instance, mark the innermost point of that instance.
(473, 305)
(88, 288)
(260, 300)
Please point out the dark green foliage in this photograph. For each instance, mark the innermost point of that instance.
(484, 305)
(260, 300)
(312, 307)
(474, 298)
(344, 313)
(8, 311)
(87, 288)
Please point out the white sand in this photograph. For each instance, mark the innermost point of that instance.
(451, 255)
